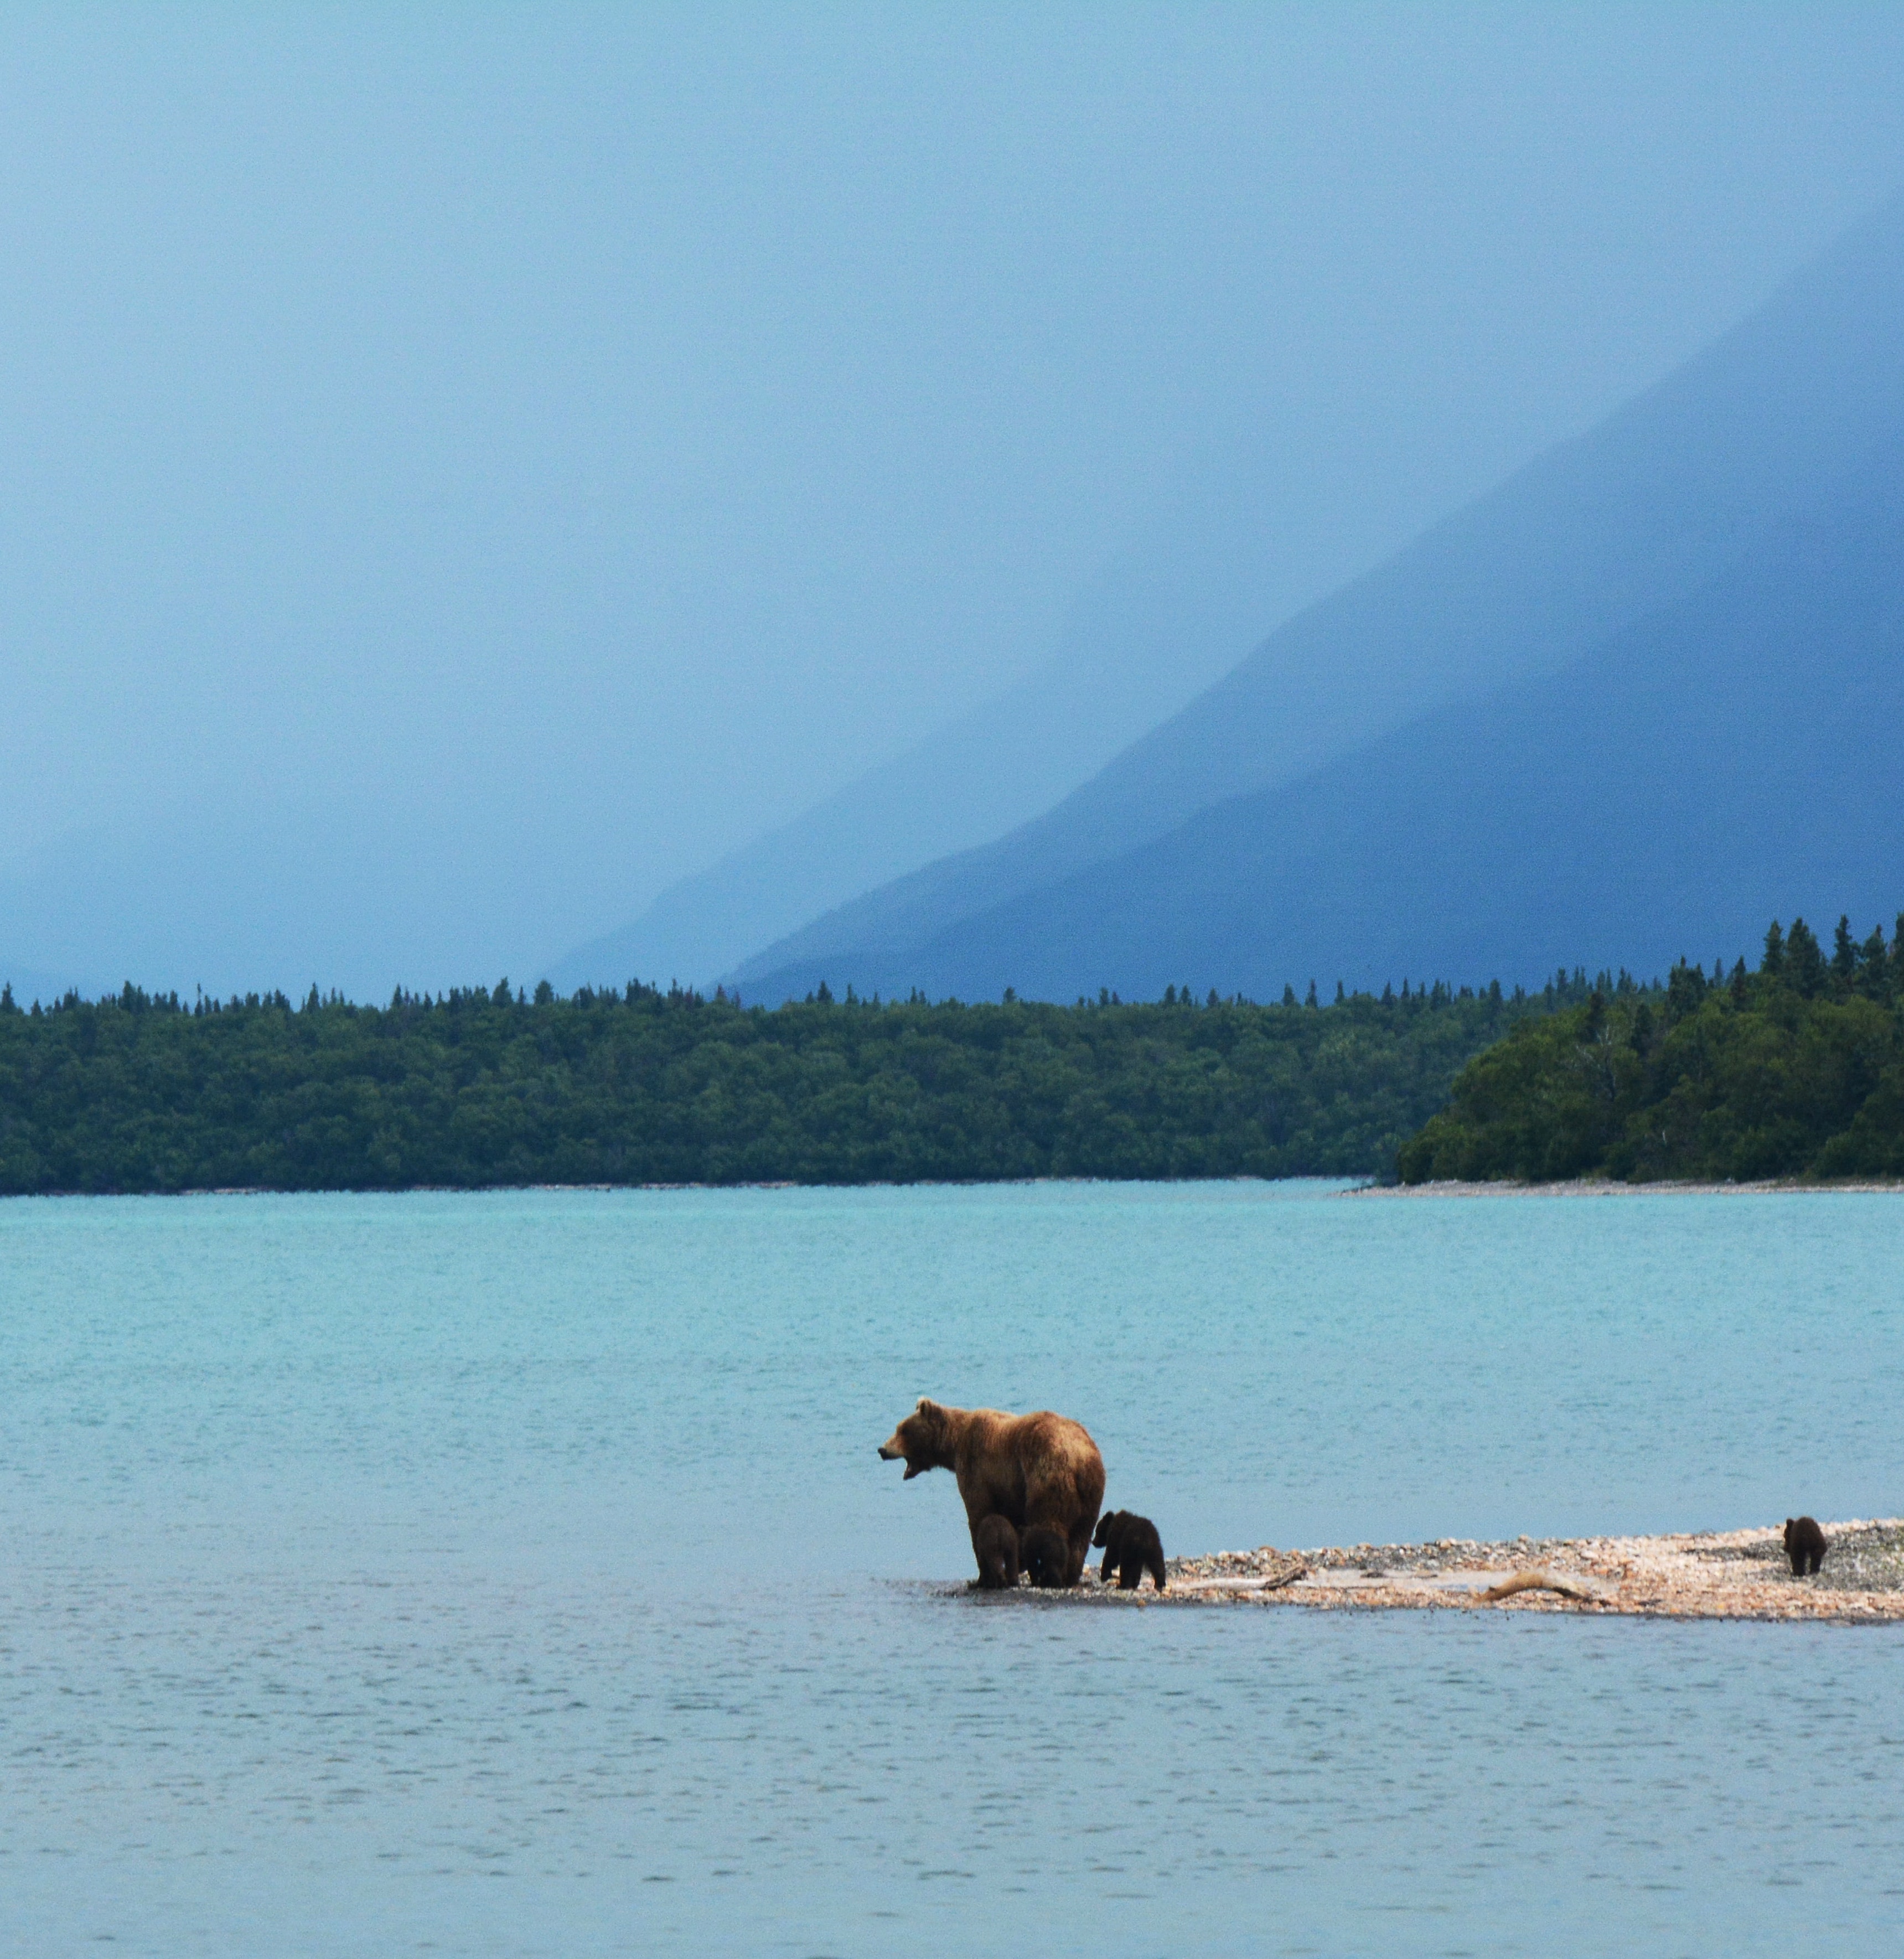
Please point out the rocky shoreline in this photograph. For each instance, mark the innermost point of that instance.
(1740, 1574)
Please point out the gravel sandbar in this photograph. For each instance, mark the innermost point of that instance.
(1741, 1574)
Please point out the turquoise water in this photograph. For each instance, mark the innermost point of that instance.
(513, 1573)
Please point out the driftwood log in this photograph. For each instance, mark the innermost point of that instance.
(1538, 1579)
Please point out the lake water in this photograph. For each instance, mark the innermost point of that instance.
(513, 1573)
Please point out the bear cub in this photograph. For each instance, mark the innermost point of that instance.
(996, 1543)
(1131, 1547)
(1047, 1557)
(1804, 1544)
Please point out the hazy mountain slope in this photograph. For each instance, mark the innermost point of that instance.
(1592, 537)
(1733, 755)
(986, 772)
(1233, 543)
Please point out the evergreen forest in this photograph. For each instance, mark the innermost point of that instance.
(1795, 1071)
(485, 1087)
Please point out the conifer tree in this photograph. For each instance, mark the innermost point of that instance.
(1642, 1034)
(1685, 989)
(1874, 967)
(1805, 967)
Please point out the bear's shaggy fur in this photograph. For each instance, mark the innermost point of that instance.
(995, 1544)
(1030, 1469)
(1131, 1547)
(1048, 1558)
(1804, 1544)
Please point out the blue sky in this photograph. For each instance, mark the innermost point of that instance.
(563, 442)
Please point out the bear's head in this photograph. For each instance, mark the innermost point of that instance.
(922, 1440)
(1106, 1525)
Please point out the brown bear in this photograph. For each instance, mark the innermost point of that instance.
(1048, 1558)
(996, 1545)
(1030, 1469)
(1131, 1547)
(1805, 1546)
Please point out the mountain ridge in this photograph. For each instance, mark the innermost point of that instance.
(1643, 508)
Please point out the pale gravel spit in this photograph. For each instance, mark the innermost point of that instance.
(1739, 1574)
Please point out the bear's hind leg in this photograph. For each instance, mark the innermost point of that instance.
(1080, 1549)
(1154, 1564)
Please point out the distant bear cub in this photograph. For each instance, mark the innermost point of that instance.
(1131, 1547)
(1805, 1546)
(996, 1543)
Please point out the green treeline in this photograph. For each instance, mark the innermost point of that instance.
(486, 1088)
(1795, 1071)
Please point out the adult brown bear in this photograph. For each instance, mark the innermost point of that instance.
(1030, 1469)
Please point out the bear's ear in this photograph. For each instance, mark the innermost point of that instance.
(927, 1406)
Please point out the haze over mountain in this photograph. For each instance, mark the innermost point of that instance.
(1723, 553)
(471, 472)
(1236, 544)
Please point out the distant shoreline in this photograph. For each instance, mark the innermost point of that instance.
(1606, 1187)
(1597, 1187)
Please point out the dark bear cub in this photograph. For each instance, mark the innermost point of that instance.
(1047, 1557)
(996, 1543)
(1805, 1546)
(1131, 1547)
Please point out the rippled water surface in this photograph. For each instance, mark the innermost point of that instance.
(513, 1573)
